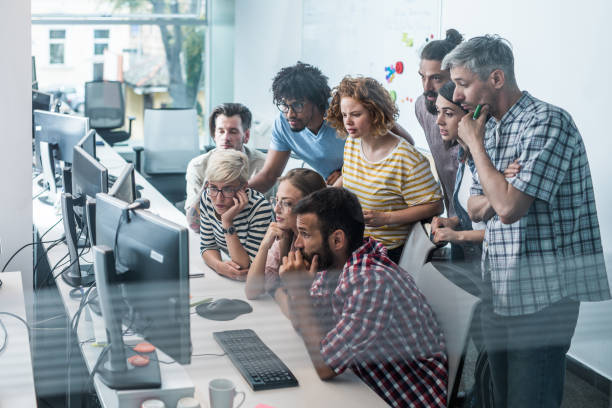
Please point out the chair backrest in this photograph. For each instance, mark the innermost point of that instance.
(104, 104)
(454, 309)
(170, 140)
(417, 249)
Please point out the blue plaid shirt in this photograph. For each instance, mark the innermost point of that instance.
(554, 251)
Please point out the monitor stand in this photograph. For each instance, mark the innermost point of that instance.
(115, 371)
(75, 274)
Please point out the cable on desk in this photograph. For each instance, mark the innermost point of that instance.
(72, 262)
(5, 337)
(51, 227)
(21, 249)
(39, 194)
(4, 343)
(40, 258)
(47, 320)
(21, 319)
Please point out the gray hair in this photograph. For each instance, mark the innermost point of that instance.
(226, 166)
(483, 55)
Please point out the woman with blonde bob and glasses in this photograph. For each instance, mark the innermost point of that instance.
(263, 274)
(233, 218)
(392, 180)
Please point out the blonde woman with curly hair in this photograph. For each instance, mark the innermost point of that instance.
(392, 180)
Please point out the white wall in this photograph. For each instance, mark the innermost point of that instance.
(16, 136)
(562, 56)
(268, 37)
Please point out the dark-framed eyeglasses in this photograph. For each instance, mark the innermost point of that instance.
(226, 192)
(284, 204)
(284, 107)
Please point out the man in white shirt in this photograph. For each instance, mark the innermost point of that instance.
(230, 124)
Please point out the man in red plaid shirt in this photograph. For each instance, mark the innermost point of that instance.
(357, 309)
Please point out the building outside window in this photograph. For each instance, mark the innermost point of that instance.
(57, 40)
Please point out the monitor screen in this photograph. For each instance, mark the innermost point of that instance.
(41, 101)
(89, 176)
(152, 265)
(88, 143)
(62, 131)
(124, 187)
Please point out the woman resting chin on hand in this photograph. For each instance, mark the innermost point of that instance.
(233, 218)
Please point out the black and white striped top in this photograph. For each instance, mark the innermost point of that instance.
(251, 224)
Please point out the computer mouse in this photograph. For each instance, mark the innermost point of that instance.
(223, 309)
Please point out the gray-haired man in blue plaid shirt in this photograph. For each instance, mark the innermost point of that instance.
(542, 250)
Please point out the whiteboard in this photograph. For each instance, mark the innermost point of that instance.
(370, 38)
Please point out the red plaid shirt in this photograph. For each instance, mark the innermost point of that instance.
(383, 330)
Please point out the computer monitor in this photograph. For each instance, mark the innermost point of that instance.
(152, 266)
(55, 135)
(63, 131)
(88, 143)
(114, 369)
(34, 78)
(41, 101)
(89, 177)
(124, 187)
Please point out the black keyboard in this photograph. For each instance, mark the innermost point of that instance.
(259, 366)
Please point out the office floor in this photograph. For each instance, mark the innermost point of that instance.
(578, 392)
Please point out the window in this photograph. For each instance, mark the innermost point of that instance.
(99, 48)
(57, 34)
(101, 33)
(56, 46)
(56, 53)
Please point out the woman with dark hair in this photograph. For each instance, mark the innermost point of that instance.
(392, 180)
(263, 274)
(465, 236)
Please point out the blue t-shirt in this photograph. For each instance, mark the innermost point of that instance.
(323, 151)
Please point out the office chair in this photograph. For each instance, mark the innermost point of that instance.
(170, 141)
(454, 309)
(417, 249)
(105, 107)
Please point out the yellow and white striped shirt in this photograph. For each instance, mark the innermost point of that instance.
(402, 179)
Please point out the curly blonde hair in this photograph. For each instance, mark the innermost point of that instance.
(374, 98)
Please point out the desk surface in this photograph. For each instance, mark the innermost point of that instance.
(266, 319)
(16, 379)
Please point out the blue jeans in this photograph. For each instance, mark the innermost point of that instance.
(527, 354)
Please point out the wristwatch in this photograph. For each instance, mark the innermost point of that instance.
(231, 230)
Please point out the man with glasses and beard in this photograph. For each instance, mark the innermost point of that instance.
(356, 309)
(301, 93)
(433, 77)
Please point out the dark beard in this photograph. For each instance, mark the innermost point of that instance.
(429, 105)
(326, 258)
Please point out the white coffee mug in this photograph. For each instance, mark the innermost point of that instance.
(222, 393)
(188, 402)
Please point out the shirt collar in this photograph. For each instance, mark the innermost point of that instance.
(515, 109)
(322, 285)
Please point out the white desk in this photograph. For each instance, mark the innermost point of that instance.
(266, 319)
(16, 379)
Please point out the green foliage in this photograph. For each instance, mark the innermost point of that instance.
(193, 49)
